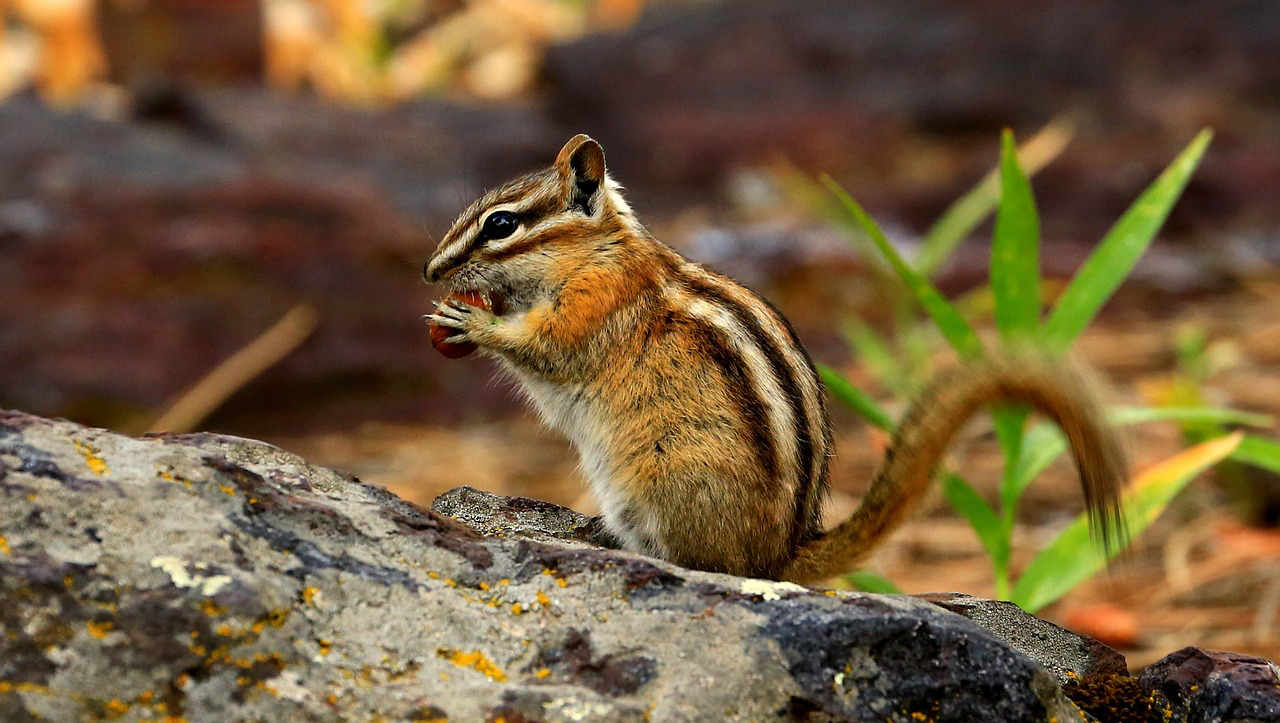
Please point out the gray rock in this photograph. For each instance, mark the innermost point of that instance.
(1204, 686)
(222, 579)
(1068, 656)
(491, 514)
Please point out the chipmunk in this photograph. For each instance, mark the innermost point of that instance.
(698, 417)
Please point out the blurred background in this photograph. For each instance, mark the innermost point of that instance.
(214, 213)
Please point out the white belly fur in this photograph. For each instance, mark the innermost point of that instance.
(561, 407)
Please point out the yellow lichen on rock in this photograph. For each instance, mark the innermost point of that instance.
(92, 457)
(476, 660)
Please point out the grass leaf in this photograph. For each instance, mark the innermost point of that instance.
(952, 325)
(1120, 249)
(1073, 557)
(1015, 250)
(1044, 443)
(966, 500)
(871, 582)
(1210, 415)
(1259, 452)
(855, 398)
(1041, 445)
(874, 353)
(971, 209)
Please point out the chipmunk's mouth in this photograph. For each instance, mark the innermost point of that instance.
(503, 295)
(492, 300)
(466, 284)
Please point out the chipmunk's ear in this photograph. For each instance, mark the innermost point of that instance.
(581, 166)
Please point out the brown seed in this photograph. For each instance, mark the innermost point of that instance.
(440, 334)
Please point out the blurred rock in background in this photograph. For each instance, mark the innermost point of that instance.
(177, 175)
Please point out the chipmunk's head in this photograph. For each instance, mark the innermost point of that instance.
(507, 242)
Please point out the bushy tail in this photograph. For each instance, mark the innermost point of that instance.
(1052, 388)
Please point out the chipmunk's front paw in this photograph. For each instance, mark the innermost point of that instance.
(470, 321)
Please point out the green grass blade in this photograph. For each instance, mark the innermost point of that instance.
(1010, 423)
(855, 398)
(1259, 452)
(871, 582)
(971, 209)
(953, 326)
(1073, 557)
(1120, 249)
(1044, 443)
(966, 500)
(1197, 415)
(1041, 446)
(808, 192)
(873, 351)
(1015, 250)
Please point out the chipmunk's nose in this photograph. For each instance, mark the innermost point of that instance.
(438, 267)
(435, 269)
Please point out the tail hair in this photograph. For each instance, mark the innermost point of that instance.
(1054, 388)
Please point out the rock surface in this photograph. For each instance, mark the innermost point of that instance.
(1204, 686)
(211, 578)
(1066, 655)
(223, 579)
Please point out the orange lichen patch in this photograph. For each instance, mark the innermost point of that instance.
(542, 672)
(325, 645)
(210, 608)
(92, 458)
(168, 476)
(543, 599)
(516, 608)
(231, 491)
(99, 630)
(309, 595)
(116, 708)
(473, 659)
(9, 687)
(275, 618)
(4, 546)
(561, 582)
(1115, 698)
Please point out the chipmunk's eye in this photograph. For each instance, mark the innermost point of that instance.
(500, 224)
